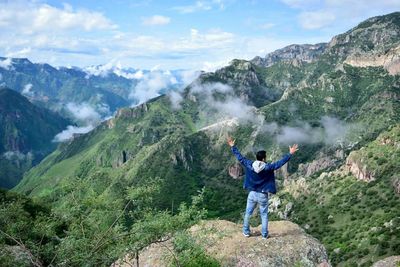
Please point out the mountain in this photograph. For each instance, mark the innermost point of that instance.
(342, 186)
(51, 87)
(105, 88)
(26, 132)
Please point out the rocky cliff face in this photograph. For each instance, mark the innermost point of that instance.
(295, 54)
(375, 36)
(288, 245)
(358, 169)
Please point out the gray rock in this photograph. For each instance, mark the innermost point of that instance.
(392, 261)
(288, 245)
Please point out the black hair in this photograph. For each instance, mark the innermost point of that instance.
(262, 154)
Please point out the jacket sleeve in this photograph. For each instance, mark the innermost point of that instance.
(245, 162)
(277, 164)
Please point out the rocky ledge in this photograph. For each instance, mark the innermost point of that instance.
(288, 245)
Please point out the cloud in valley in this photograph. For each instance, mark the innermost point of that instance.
(70, 131)
(332, 131)
(84, 112)
(86, 115)
(156, 82)
(227, 106)
(27, 90)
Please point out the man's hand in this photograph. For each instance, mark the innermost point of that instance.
(293, 149)
(231, 142)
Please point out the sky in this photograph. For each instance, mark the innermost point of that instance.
(150, 34)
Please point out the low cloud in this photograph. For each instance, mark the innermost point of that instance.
(157, 82)
(27, 90)
(176, 99)
(6, 63)
(332, 131)
(16, 155)
(225, 106)
(84, 112)
(156, 20)
(71, 131)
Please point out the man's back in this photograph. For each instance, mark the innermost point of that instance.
(264, 179)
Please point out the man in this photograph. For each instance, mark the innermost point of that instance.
(259, 181)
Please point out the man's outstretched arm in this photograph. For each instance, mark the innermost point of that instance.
(277, 164)
(246, 162)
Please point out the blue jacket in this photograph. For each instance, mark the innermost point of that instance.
(264, 181)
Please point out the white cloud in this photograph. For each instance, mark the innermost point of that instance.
(149, 86)
(32, 17)
(202, 6)
(214, 65)
(332, 131)
(70, 131)
(156, 20)
(229, 107)
(301, 3)
(27, 90)
(267, 26)
(316, 19)
(317, 14)
(86, 115)
(84, 112)
(215, 38)
(176, 99)
(23, 52)
(198, 6)
(6, 63)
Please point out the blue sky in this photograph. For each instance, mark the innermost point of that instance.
(146, 34)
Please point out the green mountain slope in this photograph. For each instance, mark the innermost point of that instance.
(26, 132)
(166, 150)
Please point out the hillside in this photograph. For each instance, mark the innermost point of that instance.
(161, 153)
(26, 134)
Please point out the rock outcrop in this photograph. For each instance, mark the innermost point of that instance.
(358, 169)
(396, 184)
(236, 171)
(392, 261)
(319, 164)
(288, 245)
(389, 60)
(135, 112)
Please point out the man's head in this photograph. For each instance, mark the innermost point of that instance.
(261, 155)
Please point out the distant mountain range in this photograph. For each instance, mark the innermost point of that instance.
(340, 101)
(105, 87)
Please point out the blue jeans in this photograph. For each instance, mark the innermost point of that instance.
(252, 199)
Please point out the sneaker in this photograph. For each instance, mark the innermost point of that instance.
(264, 237)
(246, 235)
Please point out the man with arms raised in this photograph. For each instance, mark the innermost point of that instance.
(259, 181)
